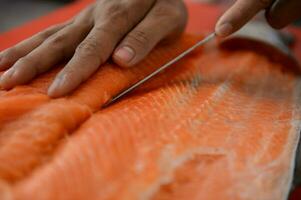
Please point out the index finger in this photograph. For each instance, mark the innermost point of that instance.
(113, 21)
(239, 14)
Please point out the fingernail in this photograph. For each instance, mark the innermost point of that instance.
(224, 30)
(8, 74)
(56, 85)
(6, 77)
(125, 54)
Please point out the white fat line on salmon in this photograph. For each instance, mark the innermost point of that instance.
(267, 137)
(250, 162)
(181, 97)
(136, 109)
(169, 173)
(176, 99)
(286, 178)
(220, 91)
(192, 85)
(153, 100)
(261, 176)
(266, 174)
(173, 96)
(179, 93)
(170, 163)
(241, 190)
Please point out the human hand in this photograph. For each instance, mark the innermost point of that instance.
(279, 13)
(126, 29)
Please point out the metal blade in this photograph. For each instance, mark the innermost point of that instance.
(200, 43)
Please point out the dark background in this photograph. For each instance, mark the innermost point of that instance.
(16, 12)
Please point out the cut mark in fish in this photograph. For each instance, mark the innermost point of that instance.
(162, 68)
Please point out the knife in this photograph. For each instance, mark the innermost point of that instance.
(165, 66)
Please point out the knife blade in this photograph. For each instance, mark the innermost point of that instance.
(162, 68)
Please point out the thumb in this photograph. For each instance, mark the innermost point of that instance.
(136, 45)
(156, 26)
(238, 15)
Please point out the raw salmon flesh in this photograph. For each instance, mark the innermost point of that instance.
(219, 124)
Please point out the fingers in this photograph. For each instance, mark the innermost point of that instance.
(283, 12)
(87, 58)
(112, 21)
(166, 18)
(9, 56)
(238, 15)
(54, 49)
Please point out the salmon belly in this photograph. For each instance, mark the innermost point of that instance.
(220, 124)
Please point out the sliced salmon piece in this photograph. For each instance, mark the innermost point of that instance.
(26, 141)
(226, 129)
(13, 107)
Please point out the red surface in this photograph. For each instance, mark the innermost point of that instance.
(202, 19)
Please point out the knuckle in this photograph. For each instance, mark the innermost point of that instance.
(160, 11)
(107, 30)
(82, 27)
(174, 12)
(174, 15)
(26, 60)
(102, 29)
(139, 37)
(31, 63)
(117, 12)
(11, 52)
(88, 47)
(49, 31)
(45, 34)
(57, 40)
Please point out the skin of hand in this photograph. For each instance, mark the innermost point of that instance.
(127, 30)
(279, 13)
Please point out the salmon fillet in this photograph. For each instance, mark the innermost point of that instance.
(221, 124)
(219, 120)
(38, 128)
